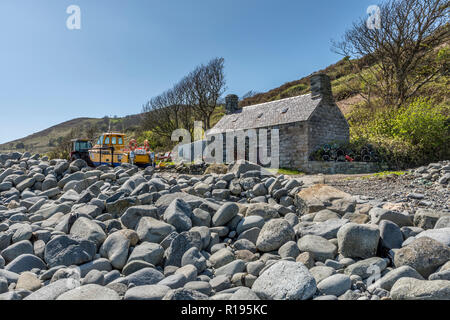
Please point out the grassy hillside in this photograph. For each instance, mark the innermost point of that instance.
(43, 141)
(339, 73)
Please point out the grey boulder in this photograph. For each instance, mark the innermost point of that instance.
(274, 234)
(285, 280)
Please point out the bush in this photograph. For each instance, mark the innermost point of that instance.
(411, 135)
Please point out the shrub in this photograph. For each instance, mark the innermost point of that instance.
(411, 135)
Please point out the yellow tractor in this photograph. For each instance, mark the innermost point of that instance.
(111, 150)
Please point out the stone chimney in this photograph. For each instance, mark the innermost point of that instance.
(231, 103)
(321, 87)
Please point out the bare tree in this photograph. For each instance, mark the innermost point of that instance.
(205, 85)
(196, 95)
(160, 115)
(186, 110)
(398, 56)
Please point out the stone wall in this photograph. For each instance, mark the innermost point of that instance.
(294, 149)
(326, 125)
(293, 145)
(331, 167)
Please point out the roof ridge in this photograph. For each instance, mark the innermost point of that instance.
(279, 100)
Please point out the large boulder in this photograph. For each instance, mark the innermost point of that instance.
(77, 176)
(165, 200)
(48, 211)
(86, 229)
(119, 207)
(115, 249)
(242, 166)
(388, 280)
(54, 289)
(179, 245)
(149, 252)
(264, 210)
(178, 214)
(443, 222)
(379, 214)
(424, 255)
(327, 229)
(427, 218)
(317, 197)
(225, 214)
(335, 285)
(153, 230)
(321, 248)
(90, 292)
(358, 241)
(17, 249)
(132, 215)
(142, 277)
(285, 280)
(391, 235)
(148, 292)
(27, 183)
(367, 267)
(441, 235)
(194, 257)
(249, 222)
(221, 258)
(414, 289)
(274, 234)
(28, 281)
(63, 250)
(25, 262)
(184, 294)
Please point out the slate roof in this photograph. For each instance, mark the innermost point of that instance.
(267, 114)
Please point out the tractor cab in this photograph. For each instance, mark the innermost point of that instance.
(108, 149)
(80, 150)
(111, 150)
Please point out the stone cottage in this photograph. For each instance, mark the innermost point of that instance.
(304, 122)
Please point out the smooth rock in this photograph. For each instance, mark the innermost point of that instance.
(424, 255)
(285, 280)
(148, 292)
(413, 289)
(90, 292)
(358, 241)
(321, 248)
(274, 234)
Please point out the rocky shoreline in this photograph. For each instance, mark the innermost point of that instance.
(70, 232)
(424, 187)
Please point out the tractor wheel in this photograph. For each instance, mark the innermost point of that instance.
(76, 156)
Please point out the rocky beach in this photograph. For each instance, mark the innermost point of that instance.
(71, 232)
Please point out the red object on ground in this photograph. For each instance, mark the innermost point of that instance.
(133, 144)
(349, 159)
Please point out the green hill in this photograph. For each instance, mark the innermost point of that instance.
(43, 141)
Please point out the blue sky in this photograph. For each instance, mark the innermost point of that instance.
(129, 51)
